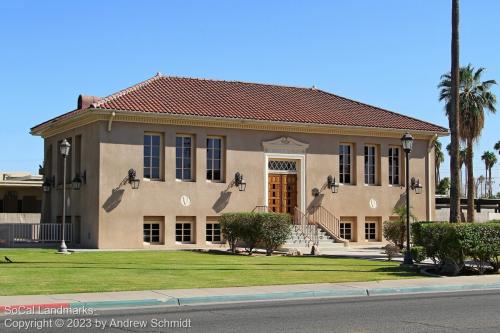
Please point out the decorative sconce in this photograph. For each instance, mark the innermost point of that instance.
(415, 185)
(46, 186)
(239, 181)
(133, 181)
(78, 180)
(332, 184)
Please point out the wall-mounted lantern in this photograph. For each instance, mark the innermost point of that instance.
(78, 180)
(47, 185)
(132, 179)
(415, 185)
(240, 181)
(332, 184)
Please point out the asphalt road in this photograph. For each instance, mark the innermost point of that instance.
(445, 312)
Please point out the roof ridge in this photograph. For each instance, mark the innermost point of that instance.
(238, 81)
(126, 90)
(379, 108)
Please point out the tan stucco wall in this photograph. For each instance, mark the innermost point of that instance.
(122, 149)
(84, 202)
(112, 215)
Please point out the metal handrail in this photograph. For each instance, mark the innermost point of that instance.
(306, 227)
(260, 209)
(328, 222)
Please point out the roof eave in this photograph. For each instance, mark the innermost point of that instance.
(39, 130)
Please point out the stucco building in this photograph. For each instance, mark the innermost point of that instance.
(185, 139)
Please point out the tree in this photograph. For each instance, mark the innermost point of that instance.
(454, 115)
(479, 186)
(443, 186)
(475, 96)
(438, 159)
(497, 146)
(490, 160)
(461, 160)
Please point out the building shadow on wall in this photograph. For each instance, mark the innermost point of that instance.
(315, 203)
(223, 199)
(114, 199)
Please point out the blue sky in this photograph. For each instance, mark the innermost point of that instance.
(387, 53)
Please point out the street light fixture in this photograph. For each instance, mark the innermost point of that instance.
(415, 185)
(64, 149)
(133, 180)
(240, 181)
(78, 180)
(332, 184)
(407, 142)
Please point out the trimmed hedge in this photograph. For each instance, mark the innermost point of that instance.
(264, 230)
(450, 244)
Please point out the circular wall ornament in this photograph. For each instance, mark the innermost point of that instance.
(185, 201)
(373, 203)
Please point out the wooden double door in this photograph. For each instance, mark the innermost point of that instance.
(282, 193)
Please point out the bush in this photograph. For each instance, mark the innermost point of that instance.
(395, 232)
(276, 228)
(267, 230)
(391, 251)
(230, 228)
(418, 253)
(449, 244)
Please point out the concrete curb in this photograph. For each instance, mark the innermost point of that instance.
(198, 300)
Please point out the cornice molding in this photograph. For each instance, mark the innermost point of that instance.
(95, 115)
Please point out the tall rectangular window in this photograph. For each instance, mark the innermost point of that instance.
(214, 158)
(183, 157)
(394, 166)
(370, 165)
(151, 232)
(152, 155)
(345, 164)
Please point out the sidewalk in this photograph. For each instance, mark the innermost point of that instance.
(180, 297)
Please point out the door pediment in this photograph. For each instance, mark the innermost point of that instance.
(285, 145)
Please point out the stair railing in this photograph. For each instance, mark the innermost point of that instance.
(305, 226)
(260, 209)
(328, 222)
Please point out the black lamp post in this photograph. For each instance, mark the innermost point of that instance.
(407, 142)
(64, 149)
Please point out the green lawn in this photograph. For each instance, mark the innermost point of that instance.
(45, 272)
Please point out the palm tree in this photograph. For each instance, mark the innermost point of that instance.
(438, 159)
(490, 160)
(475, 96)
(454, 115)
(461, 161)
(497, 146)
(480, 181)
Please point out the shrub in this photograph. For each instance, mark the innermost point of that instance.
(251, 230)
(418, 253)
(276, 228)
(449, 244)
(395, 231)
(391, 251)
(230, 228)
(267, 230)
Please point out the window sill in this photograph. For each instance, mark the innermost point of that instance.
(185, 180)
(153, 180)
(215, 181)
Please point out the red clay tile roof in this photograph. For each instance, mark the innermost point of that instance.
(254, 101)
